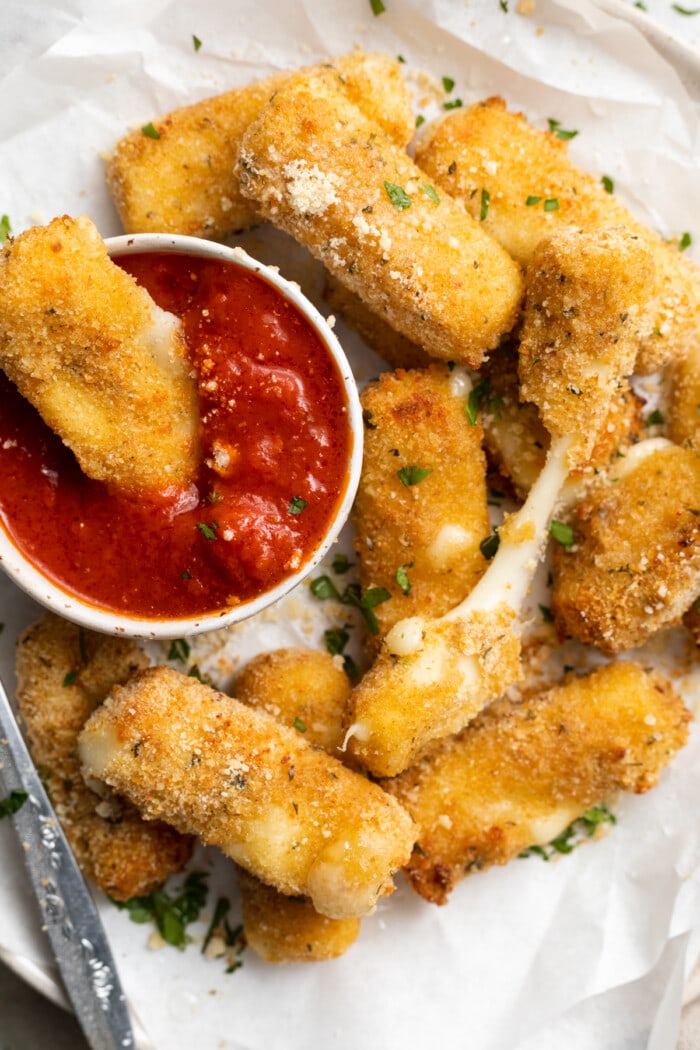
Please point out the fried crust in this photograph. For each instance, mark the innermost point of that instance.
(487, 147)
(323, 172)
(182, 179)
(523, 771)
(105, 367)
(63, 674)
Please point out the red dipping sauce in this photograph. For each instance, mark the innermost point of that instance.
(275, 448)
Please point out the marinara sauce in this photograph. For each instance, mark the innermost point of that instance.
(275, 448)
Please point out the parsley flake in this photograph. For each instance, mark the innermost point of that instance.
(562, 533)
(196, 42)
(70, 678)
(402, 579)
(413, 475)
(208, 531)
(420, 119)
(503, 4)
(171, 915)
(447, 84)
(551, 204)
(336, 638)
(377, 7)
(14, 801)
(689, 11)
(490, 545)
(179, 650)
(397, 195)
(654, 418)
(297, 505)
(431, 192)
(475, 401)
(607, 183)
(484, 210)
(323, 588)
(561, 133)
(298, 724)
(341, 564)
(531, 201)
(5, 228)
(150, 130)
(453, 103)
(685, 241)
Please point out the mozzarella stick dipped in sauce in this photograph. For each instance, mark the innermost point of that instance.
(534, 188)
(421, 511)
(322, 171)
(63, 673)
(176, 174)
(433, 675)
(307, 690)
(523, 771)
(631, 564)
(516, 440)
(105, 367)
(286, 811)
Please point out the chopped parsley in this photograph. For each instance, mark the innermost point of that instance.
(336, 638)
(490, 545)
(179, 649)
(420, 119)
(447, 84)
(583, 827)
(485, 199)
(185, 575)
(171, 915)
(654, 418)
(453, 103)
(503, 4)
(401, 59)
(561, 133)
(208, 530)
(298, 724)
(219, 925)
(366, 601)
(607, 183)
(397, 195)
(377, 7)
(551, 204)
(689, 11)
(323, 588)
(413, 475)
(401, 577)
(475, 401)
(562, 533)
(297, 505)
(685, 241)
(531, 201)
(14, 801)
(340, 564)
(150, 130)
(196, 42)
(70, 678)
(431, 192)
(5, 228)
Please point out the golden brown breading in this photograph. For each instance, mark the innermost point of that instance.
(104, 365)
(63, 673)
(298, 684)
(516, 440)
(430, 530)
(683, 386)
(487, 148)
(585, 294)
(286, 811)
(182, 180)
(522, 772)
(308, 686)
(396, 349)
(287, 929)
(430, 678)
(322, 171)
(635, 563)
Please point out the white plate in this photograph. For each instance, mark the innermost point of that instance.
(586, 952)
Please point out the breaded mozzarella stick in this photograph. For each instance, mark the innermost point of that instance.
(534, 189)
(420, 512)
(105, 367)
(286, 811)
(304, 688)
(523, 771)
(180, 177)
(323, 172)
(63, 673)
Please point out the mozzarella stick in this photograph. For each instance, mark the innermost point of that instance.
(304, 688)
(585, 294)
(421, 512)
(63, 673)
(284, 810)
(325, 173)
(105, 367)
(523, 771)
(633, 564)
(534, 188)
(177, 175)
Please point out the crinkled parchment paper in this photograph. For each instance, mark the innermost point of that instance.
(591, 950)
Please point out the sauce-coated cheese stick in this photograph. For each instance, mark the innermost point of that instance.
(322, 171)
(286, 811)
(534, 188)
(421, 510)
(522, 772)
(105, 367)
(63, 673)
(180, 177)
(307, 689)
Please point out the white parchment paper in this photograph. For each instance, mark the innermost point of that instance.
(589, 951)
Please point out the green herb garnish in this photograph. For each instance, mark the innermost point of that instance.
(401, 577)
(559, 131)
(654, 418)
(583, 827)
(397, 195)
(454, 103)
(150, 130)
(490, 545)
(447, 84)
(171, 915)
(70, 678)
(179, 649)
(297, 505)
(531, 201)
(413, 475)
(298, 724)
(5, 228)
(484, 210)
(420, 119)
(685, 241)
(208, 531)
(551, 204)
(323, 588)
(689, 11)
(196, 42)
(607, 183)
(14, 801)
(377, 7)
(562, 533)
(430, 191)
(341, 564)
